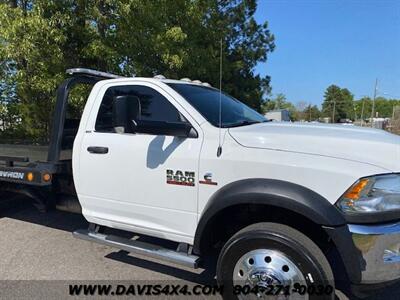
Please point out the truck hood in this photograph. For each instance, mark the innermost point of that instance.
(370, 146)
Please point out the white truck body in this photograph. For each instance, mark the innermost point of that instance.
(266, 203)
(127, 188)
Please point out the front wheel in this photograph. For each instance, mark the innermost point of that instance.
(273, 261)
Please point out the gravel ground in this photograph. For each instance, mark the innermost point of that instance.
(39, 258)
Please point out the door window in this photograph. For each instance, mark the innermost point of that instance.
(154, 109)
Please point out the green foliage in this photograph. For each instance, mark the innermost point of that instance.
(345, 107)
(280, 102)
(311, 113)
(40, 39)
(182, 39)
(338, 103)
(383, 107)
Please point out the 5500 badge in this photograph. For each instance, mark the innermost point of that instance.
(179, 177)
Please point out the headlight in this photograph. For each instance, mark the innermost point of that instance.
(372, 194)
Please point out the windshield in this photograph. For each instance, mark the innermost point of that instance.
(206, 101)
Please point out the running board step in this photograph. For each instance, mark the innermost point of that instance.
(139, 247)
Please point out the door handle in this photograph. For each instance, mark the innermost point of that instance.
(97, 150)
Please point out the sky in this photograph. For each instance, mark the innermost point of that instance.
(349, 43)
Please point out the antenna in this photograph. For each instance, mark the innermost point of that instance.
(219, 150)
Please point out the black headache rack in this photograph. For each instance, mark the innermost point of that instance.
(38, 173)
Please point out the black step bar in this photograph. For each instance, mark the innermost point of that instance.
(138, 247)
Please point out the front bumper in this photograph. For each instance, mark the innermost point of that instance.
(379, 247)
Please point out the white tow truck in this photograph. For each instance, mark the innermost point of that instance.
(276, 204)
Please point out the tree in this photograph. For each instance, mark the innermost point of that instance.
(363, 108)
(383, 107)
(280, 102)
(184, 41)
(3, 116)
(338, 104)
(40, 39)
(311, 113)
(9, 111)
(300, 110)
(395, 121)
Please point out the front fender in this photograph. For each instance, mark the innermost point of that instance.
(277, 193)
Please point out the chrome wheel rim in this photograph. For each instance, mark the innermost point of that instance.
(262, 268)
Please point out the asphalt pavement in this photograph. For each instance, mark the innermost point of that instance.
(39, 258)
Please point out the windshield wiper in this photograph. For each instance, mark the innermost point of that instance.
(244, 123)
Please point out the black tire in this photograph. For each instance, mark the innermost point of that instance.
(302, 251)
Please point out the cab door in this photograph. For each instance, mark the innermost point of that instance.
(144, 181)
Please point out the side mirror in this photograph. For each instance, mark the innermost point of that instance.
(178, 129)
(184, 130)
(125, 110)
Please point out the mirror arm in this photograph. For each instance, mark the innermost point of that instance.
(193, 133)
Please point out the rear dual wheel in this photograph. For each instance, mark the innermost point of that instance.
(273, 261)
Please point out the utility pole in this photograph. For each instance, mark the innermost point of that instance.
(362, 112)
(355, 112)
(373, 100)
(333, 112)
(392, 123)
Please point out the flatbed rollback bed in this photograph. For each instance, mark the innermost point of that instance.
(49, 183)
